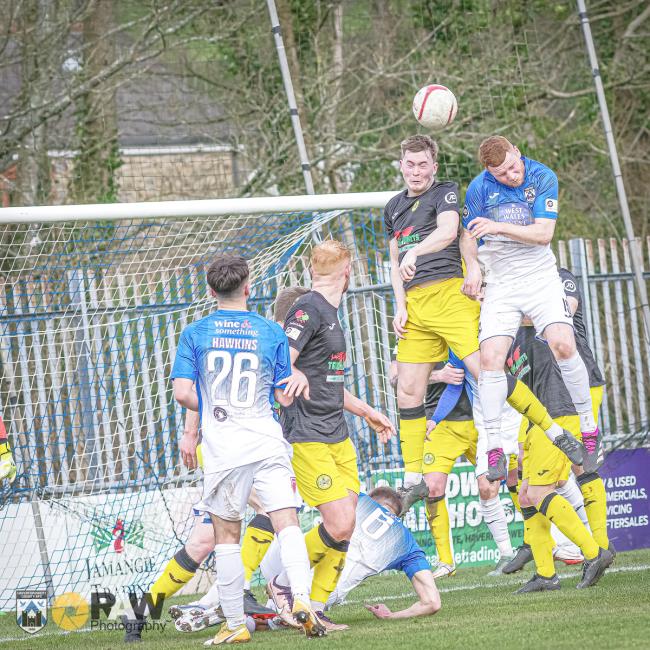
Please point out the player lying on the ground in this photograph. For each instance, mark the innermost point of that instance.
(422, 227)
(324, 457)
(450, 434)
(510, 210)
(237, 360)
(380, 542)
(545, 472)
(532, 360)
(7, 464)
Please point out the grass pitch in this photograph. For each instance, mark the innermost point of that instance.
(477, 612)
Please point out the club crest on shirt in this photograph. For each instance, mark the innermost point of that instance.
(569, 285)
(324, 482)
(220, 415)
(529, 193)
(416, 205)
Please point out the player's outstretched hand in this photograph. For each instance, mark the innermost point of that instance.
(481, 226)
(296, 385)
(187, 448)
(399, 322)
(407, 266)
(380, 610)
(381, 424)
(431, 425)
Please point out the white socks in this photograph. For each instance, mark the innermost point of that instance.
(411, 479)
(230, 583)
(576, 379)
(495, 517)
(493, 391)
(211, 598)
(295, 561)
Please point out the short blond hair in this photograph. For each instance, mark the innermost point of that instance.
(492, 151)
(328, 256)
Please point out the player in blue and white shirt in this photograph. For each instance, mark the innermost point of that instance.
(510, 210)
(380, 543)
(238, 362)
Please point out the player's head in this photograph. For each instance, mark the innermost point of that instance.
(388, 498)
(284, 302)
(419, 162)
(228, 277)
(503, 160)
(331, 260)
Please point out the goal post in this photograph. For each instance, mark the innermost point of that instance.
(92, 303)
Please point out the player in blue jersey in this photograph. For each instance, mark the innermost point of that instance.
(238, 361)
(510, 210)
(380, 542)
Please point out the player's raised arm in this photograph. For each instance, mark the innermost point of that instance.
(378, 421)
(441, 237)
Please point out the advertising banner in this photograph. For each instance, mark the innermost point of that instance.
(626, 474)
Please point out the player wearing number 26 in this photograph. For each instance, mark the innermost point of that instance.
(238, 362)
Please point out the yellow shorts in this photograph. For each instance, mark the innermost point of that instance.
(543, 462)
(449, 440)
(325, 472)
(439, 317)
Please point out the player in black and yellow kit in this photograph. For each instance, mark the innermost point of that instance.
(324, 458)
(545, 469)
(432, 312)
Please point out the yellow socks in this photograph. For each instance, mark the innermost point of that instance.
(412, 429)
(595, 497)
(537, 534)
(327, 556)
(514, 495)
(558, 510)
(438, 518)
(178, 572)
(257, 539)
(521, 398)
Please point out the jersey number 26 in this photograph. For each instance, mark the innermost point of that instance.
(242, 382)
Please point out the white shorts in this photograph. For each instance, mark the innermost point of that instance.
(225, 494)
(510, 421)
(541, 298)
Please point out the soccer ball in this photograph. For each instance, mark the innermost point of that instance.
(435, 106)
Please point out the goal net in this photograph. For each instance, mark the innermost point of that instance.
(90, 315)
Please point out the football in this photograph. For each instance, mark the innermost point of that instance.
(435, 106)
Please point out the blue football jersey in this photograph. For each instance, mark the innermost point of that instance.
(380, 542)
(235, 359)
(535, 198)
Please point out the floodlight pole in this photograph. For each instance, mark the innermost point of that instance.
(291, 98)
(635, 248)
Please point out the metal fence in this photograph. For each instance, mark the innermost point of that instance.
(108, 420)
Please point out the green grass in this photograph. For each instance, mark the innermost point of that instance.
(477, 612)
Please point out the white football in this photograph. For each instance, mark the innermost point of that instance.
(435, 106)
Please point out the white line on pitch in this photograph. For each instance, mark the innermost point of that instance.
(488, 585)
